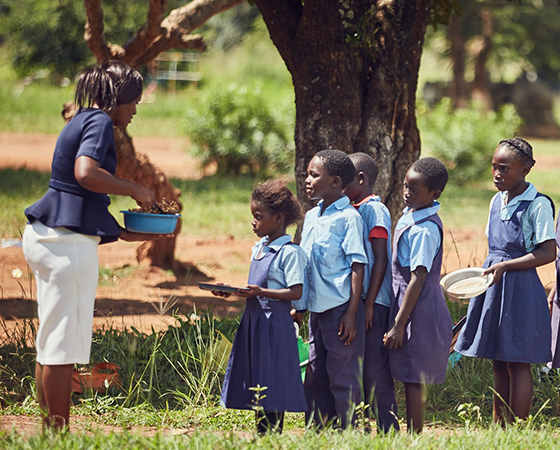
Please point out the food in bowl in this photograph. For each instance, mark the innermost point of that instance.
(163, 207)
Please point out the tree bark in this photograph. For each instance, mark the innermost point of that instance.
(158, 35)
(137, 167)
(354, 66)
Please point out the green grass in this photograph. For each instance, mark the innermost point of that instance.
(109, 276)
(37, 107)
(513, 438)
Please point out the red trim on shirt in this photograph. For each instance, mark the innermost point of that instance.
(378, 233)
(357, 205)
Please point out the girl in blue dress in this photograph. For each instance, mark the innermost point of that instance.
(420, 336)
(265, 349)
(510, 322)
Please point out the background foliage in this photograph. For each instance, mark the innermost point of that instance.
(465, 139)
(233, 128)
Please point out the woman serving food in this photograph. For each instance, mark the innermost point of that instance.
(66, 226)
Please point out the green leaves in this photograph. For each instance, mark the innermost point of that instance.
(233, 128)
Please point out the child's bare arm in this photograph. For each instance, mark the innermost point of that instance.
(381, 259)
(543, 254)
(347, 327)
(551, 296)
(394, 337)
(291, 293)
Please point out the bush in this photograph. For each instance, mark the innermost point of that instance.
(233, 128)
(465, 139)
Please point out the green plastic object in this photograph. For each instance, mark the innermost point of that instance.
(303, 350)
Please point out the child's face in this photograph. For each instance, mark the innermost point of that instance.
(265, 223)
(319, 183)
(508, 170)
(415, 192)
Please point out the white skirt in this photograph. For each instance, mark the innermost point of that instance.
(66, 269)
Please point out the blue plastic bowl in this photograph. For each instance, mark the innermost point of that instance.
(150, 223)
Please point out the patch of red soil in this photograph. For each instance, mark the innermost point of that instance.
(134, 299)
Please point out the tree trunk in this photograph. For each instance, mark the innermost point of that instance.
(354, 67)
(158, 35)
(481, 51)
(138, 168)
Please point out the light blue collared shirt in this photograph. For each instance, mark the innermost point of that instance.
(537, 221)
(287, 269)
(332, 241)
(375, 214)
(418, 246)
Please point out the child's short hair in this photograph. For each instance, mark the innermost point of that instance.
(433, 173)
(521, 147)
(338, 164)
(275, 197)
(366, 164)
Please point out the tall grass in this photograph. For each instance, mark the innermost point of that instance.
(183, 365)
(514, 438)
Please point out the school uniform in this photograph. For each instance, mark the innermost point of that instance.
(60, 241)
(422, 357)
(265, 349)
(555, 318)
(511, 321)
(379, 387)
(333, 242)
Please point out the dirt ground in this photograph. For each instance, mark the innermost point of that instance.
(134, 300)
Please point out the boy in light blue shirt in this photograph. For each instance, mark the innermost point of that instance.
(379, 387)
(332, 240)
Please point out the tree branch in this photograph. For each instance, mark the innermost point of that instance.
(157, 35)
(148, 33)
(196, 13)
(175, 40)
(94, 31)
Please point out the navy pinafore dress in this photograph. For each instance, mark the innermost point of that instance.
(555, 320)
(264, 352)
(423, 355)
(510, 321)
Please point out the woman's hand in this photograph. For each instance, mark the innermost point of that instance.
(130, 236)
(394, 337)
(144, 196)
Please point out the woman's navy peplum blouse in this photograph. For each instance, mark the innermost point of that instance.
(66, 203)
